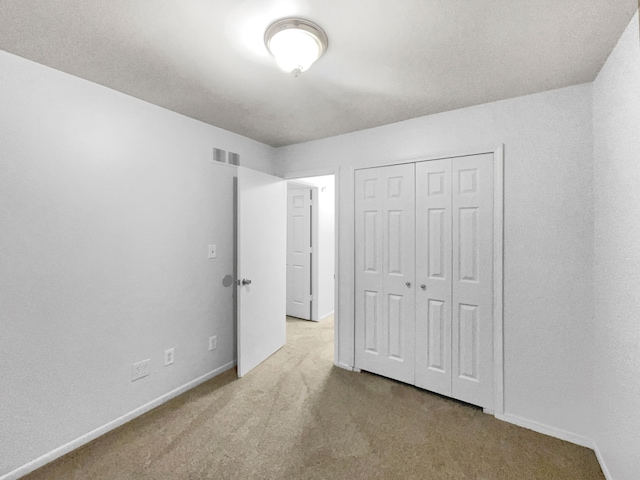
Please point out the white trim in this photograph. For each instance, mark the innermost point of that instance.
(337, 364)
(318, 172)
(107, 427)
(336, 265)
(603, 465)
(315, 250)
(498, 280)
(324, 317)
(546, 430)
(481, 150)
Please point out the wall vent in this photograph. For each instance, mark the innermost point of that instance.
(219, 155)
(234, 159)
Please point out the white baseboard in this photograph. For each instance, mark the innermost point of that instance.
(327, 315)
(86, 438)
(546, 430)
(602, 463)
(337, 364)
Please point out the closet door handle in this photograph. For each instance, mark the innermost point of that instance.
(423, 286)
(408, 284)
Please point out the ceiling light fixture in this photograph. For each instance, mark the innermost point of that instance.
(295, 43)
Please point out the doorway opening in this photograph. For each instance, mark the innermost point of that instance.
(311, 234)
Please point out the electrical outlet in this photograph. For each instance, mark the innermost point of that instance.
(213, 342)
(140, 369)
(212, 251)
(169, 356)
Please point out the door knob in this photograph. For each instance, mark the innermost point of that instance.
(246, 281)
(408, 284)
(423, 286)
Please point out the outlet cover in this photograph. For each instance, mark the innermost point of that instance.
(213, 342)
(140, 369)
(212, 251)
(169, 356)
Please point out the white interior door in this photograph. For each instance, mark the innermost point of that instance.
(385, 271)
(433, 276)
(261, 261)
(299, 252)
(472, 305)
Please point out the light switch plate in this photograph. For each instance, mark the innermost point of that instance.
(212, 252)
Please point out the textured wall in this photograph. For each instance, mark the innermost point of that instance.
(548, 228)
(616, 357)
(107, 205)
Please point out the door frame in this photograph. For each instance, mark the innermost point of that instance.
(318, 172)
(314, 313)
(498, 263)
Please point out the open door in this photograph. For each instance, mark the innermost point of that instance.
(299, 251)
(262, 230)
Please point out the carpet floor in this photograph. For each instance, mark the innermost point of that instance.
(297, 416)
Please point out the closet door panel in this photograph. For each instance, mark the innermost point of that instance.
(433, 276)
(399, 271)
(472, 262)
(369, 276)
(385, 271)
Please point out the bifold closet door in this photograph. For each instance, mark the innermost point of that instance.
(385, 271)
(424, 275)
(454, 274)
(472, 255)
(433, 276)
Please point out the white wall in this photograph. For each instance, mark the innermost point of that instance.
(548, 254)
(107, 204)
(616, 129)
(326, 242)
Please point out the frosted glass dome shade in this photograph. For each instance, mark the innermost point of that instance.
(295, 44)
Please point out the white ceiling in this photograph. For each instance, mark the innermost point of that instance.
(388, 60)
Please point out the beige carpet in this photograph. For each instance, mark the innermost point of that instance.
(298, 417)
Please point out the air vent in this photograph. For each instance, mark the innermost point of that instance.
(219, 155)
(234, 159)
